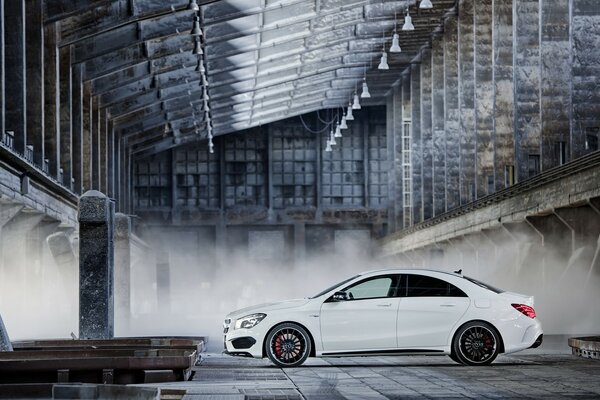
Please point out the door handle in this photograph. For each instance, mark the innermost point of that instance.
(384, 305)
(448, 305)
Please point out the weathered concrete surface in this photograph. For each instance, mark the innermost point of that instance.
(570, 191)
(467, 85)
(5, 344)
(122, 271)
(96, 266)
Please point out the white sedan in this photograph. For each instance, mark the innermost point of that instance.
(389, 312)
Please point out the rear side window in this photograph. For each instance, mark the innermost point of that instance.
(427, 286)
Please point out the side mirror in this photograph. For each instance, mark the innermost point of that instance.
(340, 296)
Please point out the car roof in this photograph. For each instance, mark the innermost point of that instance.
(408, 270)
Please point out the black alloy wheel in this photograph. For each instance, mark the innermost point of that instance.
(476, 343)
(288, 345)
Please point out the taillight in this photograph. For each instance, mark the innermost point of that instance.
(525, 310)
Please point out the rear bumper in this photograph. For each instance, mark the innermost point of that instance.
(538, 342)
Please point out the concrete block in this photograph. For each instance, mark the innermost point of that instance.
(96, 266)
(5, 344)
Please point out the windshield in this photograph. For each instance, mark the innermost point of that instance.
(484, 285)
(329, 289)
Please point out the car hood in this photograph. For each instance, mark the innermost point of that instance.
(267, 307)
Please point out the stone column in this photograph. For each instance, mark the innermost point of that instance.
(163, 282)
(5, 344)
(96, 266)
(122, 271)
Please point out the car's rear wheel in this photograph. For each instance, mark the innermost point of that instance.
(476, 343)
(288, 345)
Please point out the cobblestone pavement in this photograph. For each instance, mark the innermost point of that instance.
(528, 375)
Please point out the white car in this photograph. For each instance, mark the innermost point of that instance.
(389, 312)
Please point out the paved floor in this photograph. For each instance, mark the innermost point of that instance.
(539, 374)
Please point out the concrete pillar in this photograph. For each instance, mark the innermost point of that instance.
(391, 156)
(5, 344)
(163, 282)
(86, 140)
(51, 99)
(416, 145)
(96, 266)
(484, 98)
(426, 134)
(466, 97)
(556, 81)
(103, 148)
(66, 137)
(452, 113)
(122, 272)
(527, 129)
(437, 117)
(35, 79)
(585, 114)
(504, 155)
(396, 155)
(15, 74)
(2, 68)
(77, 127)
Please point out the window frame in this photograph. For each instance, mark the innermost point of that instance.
(396, 278)
(403, 287)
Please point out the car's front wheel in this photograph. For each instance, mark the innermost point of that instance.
(288, 345)
(476, 343)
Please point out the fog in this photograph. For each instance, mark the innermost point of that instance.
(38, 298)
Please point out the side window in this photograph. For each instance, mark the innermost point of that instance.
(381, 286)
(426, 286)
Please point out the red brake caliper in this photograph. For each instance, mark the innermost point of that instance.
(278, 350)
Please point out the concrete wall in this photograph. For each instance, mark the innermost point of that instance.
(514, 92)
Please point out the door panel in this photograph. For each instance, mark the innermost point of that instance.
(427, 321)
(367, 324)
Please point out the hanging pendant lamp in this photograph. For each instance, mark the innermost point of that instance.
(425, 4)
(193, 6)
(196, 31)
(349, 115)
(395, 48)
(395, 44)
(356, 104)
(343, 125)
(383, 64)
(365, 90)
(408, 25)
(197, 48)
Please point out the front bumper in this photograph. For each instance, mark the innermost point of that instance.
(243, 342)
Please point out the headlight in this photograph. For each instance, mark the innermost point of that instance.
(249, 321)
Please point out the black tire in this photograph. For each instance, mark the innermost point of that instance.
(288, 345)
(476, 343)
(454, 358)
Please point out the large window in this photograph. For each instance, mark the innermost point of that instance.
(372, 288)
(426, 286)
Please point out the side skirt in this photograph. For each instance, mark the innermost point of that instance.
(396, 352)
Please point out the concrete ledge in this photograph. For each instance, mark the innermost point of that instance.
(569, 185)
(588, 347)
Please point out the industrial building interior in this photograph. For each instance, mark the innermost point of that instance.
(164, 162)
